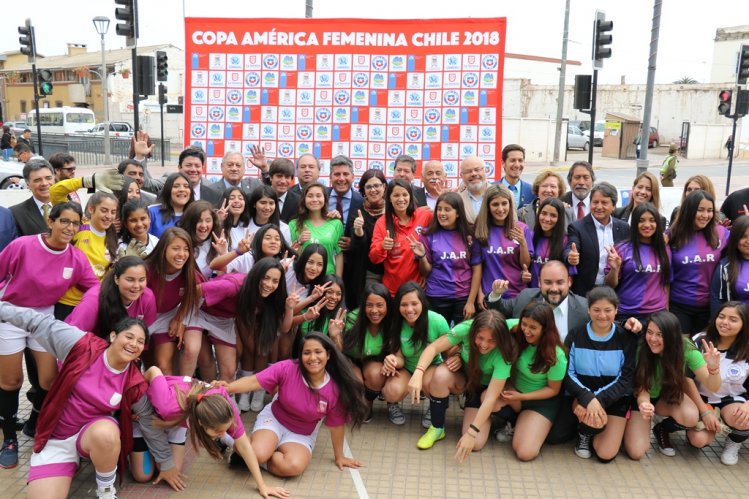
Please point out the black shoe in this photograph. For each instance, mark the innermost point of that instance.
(582, 449)
(369, 416)
(29, 429)
(30, 394)
(663, 440)
(221, 445)
(236, 460)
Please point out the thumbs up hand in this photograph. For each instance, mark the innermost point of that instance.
(359, 224)
(525, 276)
(388, 243)
(573, 258)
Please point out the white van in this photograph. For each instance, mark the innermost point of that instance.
(62, 120)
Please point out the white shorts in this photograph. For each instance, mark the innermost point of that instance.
(14, 340)
(267, 421)
(175, 436)
(159, 330)
(221, 329)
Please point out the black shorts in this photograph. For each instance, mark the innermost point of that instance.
(473, 399)
(548, 408)
(620, 407)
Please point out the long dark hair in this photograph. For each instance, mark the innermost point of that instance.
(733, 255)
(303, 213)
(546, 349)
(165, 196)
(683, 230)
(244, 217)
(189, 222)
(123, 193)
(110, 239)
(256, 248)
(671, 360)
(495, 322)
(454, 200)
(325, 315)
(259, 317)
(420, 336)
(354, 338)
(390, 211)
(350, 389)
(556, 241)
(301, 262)
(740, 348)
(127, 209)
(656, 242)
(111, 308)
(260, 192)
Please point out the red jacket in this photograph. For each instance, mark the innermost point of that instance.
(81, 356)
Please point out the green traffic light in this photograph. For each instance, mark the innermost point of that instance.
(45, 88)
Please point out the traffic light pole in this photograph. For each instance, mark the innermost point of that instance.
(730, 150)
(592, 131)
(162, 91)
(136, 97)
(36, 106)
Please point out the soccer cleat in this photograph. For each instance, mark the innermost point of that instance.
(432, 436)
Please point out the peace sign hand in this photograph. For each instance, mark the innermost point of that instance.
(614, 260)
(711, 355)
(319, 290)
(417, 246)
(335, 326)
(220, 244)
(223, 212)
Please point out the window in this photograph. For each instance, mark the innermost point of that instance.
(23, 106)
(58, 103)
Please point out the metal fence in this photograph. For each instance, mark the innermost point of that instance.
(89, 150)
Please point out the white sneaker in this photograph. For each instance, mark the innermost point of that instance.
(730, 454)
(258, 401)
(243, 402)
(106, 492)
(505, 433)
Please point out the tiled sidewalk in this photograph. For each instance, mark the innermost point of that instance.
(394, 467)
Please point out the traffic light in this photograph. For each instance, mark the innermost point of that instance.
(162, 66)
(162, 94)
(601, 39)
(742, 69)
(45, 82)
(724, 107)
(129, 14)
(27, 41)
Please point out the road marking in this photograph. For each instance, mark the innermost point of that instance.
(355, 475)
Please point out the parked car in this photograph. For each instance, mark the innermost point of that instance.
(576, 139)
(654, 138)
(597, 134)
(11, 175)
(17, 127)
(117, 129)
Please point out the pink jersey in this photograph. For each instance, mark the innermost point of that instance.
(220, 294)
(162, 393)
(34, 275)
(298, 407)
(171, 292)
(84, 316)
(97, 393)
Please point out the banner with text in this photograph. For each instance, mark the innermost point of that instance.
(368, 89)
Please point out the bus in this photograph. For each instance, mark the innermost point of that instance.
(62, 120)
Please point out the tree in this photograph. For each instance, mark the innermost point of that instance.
(685, 80)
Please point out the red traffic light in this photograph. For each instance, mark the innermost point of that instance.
(724, 106)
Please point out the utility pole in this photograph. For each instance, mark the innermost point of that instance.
(28, 48)
(562, 78)
(642, 161)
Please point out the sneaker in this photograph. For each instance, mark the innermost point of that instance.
(221, 445)
(106, 492)
(29, 429)
(258, 401)
(432, 436)
(243, 402)
(395, 414)
(582, 448)
(236, 460)
(369, 416)
(730, 454)
(9, 454)
(505, 433)
(426, 421)
(664, 441)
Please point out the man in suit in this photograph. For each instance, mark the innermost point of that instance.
(232, 175)
(513, 163)
(405, 169)
(589, 239)
(134, 170)
(8, 229)
(191, 161)
(473, 172)
(31, 214)
(580, 178)
(281, 173)
(307, 172)
(434, 180)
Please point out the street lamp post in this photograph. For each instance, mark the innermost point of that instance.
(102, 26)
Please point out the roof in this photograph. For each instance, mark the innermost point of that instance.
(88, 58)
(623, 117)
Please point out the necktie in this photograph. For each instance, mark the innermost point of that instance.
(45, 212)
(580, 210)
(339, 205)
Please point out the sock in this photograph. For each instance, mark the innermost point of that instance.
(371, 395)
(227, 440)
(9, 411)
(37, 407)
(438, 406)
(589, 430)
(738, 436)
(670, 425)
(106, 479)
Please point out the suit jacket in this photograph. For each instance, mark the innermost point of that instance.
(577, 306)
(357, 201)
(290, 206)
(526, 193)
(8, 229)
(247, 185)
(29, 219)
(209, 194)
(420, 196)
(583, 234)
(297, 189)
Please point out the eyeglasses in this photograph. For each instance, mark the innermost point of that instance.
(371, 187)
(66, 222)
(68, 168)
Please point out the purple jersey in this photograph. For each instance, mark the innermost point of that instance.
(640, 289)
(540, 256)
(693, 266)
(500, 259)
(220, 294)
(451, 270)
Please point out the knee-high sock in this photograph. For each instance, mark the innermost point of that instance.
(37, 406)
(738, 436)
(670, 425)
(9, 411)
(438, 406)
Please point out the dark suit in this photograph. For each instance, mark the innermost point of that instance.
(29, 219)
(290, 206)
(584, 235)
(297, 189)
(420, 196)
(8, 230)
(526, 192)
(247, 185)
(356, 203)
(209, 194)
(351, 257)
(577, 306)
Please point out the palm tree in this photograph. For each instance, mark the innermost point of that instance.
(685, 80)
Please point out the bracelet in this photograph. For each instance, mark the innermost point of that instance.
(706, 413)
(417, 257)
(474, 428)
(417, 368)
